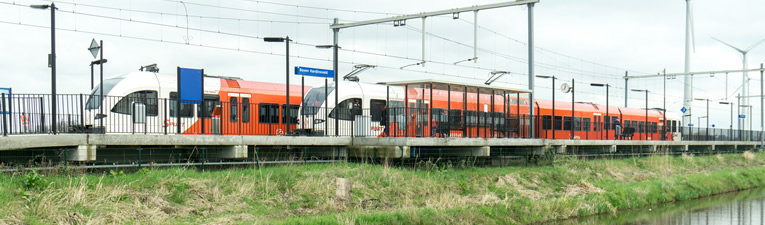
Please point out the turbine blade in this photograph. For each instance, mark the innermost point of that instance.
(755, 45)
(729, 45)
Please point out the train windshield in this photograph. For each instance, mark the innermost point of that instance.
(314, 99)
(93, 100)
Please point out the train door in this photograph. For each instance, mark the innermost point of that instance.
(234, 121)
(417, 117)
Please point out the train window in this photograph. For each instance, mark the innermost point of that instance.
(344, 110)
(635, 125)
(376, 108)
(586, 124)
(293, 113)
(557, 123)
(245, 110)
(268, 113)
(234, 109)
(578, 123)
(439, 115)
(499, 118)
(94, 101)
(653, 127)
(607, 124)
(567, 123)
(187, 109)
(512, 101)
(210, 102)
(546, 122)
(641, 126)
(455, 118)
(472, 119)
(314, 99)
(148, 98)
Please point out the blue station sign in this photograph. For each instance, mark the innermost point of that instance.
(307, 71)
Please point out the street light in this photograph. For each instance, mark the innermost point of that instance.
(707, 116)
(552, 120)
(608, 117)
(646, 108)
(51, 57)
(287, 75)
(730, 132)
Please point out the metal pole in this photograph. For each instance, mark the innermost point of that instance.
(645, 124)
(302, 95)
(664, 112)
(178, 105)
(572, 109)
(334, 67)
(287, 75)
(326, 105)
(101, 78)
(430, 110)
(531, 68)
(53, 64)
(608, 117)
(626, 88)
(707, 118)
(553, 106)
(5, 120)
(91, 76)
(762, 109)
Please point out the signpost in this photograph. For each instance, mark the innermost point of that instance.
(6, 93)
(741, 116)
(190, 89)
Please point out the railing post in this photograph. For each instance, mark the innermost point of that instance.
(165, 122)
(82, 114)
(42, 115)
(5, 119)
(203, 157)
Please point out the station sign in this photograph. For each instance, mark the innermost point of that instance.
(308, 71)
(742, 116)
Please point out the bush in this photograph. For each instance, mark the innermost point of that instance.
(34, 180)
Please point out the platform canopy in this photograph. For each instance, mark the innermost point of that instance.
(457, 86)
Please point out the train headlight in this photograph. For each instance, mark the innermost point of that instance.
(318, 121)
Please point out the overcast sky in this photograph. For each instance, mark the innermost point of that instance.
(589, 40)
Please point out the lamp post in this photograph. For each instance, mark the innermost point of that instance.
(730, 131)
(96, 62)
(553, 101)
(750, 120)
(645, 123)
(607, 116)
(286, 40)
(707, 116)
(51, 58)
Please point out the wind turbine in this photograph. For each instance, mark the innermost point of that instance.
(745, 77)
(688, 79)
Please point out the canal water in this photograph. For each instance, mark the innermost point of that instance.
(740, 208)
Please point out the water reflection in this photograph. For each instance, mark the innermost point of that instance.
(740, 208)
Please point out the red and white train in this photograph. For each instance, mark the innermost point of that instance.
(236, 107)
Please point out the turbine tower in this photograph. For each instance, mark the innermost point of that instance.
(744, 79)
(688, 79)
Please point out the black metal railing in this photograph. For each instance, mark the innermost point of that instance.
(146, 114)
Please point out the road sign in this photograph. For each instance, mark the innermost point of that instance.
(742, 116)
(94, 48)
(683, 110)
(307, 71)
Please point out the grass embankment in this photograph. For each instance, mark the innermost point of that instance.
(306, 193)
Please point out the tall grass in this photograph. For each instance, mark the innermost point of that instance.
(432, 193)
